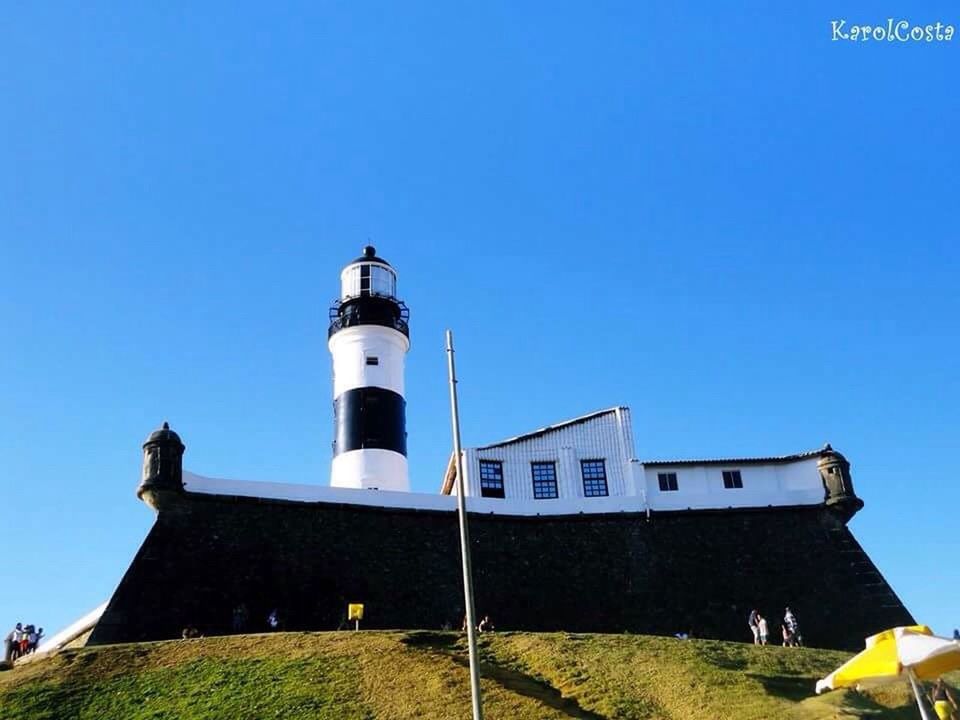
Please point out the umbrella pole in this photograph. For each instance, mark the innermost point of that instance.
(921, 701)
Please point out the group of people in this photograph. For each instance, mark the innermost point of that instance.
(241, 619)
(240, 623)
(485, 625)
(20, 641)
(190, 632)
(789, 629)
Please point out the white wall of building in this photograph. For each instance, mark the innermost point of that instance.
(796, 482)
(787, 492)
(791, 480)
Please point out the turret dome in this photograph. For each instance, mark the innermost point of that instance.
(163, 436)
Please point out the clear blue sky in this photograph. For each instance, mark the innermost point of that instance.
(716, 216)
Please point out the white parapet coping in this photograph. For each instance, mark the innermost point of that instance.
(407, 500)
(194, 483)
(72, 631)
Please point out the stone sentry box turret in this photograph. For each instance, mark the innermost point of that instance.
(162, 479)
(837, 482)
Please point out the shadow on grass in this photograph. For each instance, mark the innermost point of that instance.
(851, 704)
(722, 657)
(845, 704)
(430, 639)
(512, 680)
(788, 687)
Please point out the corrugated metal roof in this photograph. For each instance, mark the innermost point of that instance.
(775, 459)
(551, 428)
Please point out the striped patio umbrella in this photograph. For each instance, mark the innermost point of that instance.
(913, 653)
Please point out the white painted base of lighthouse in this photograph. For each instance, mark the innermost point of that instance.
(370, 468)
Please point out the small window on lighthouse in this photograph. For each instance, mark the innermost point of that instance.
(373, 360)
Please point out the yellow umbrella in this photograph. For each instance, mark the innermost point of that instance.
(914, 652)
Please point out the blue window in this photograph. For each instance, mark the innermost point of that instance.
(594, 474)
(491, 478)
(544, 480)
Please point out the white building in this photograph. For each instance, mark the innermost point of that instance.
(584, 463)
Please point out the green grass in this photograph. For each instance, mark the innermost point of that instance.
(423, 675)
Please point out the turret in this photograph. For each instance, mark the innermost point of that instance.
(368, 338)
(162, 478)
(838, 485)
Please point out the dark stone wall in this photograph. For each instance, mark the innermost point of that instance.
(699, 571)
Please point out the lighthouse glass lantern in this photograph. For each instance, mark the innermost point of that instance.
(371, 278)
(368, 339)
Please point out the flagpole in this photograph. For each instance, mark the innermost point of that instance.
(464, 538)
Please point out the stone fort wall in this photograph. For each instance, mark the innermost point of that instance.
(698, 571)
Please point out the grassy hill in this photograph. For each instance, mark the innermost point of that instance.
(423, 675)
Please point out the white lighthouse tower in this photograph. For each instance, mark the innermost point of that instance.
(369, 337)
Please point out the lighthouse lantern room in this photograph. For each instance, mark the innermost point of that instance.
(368, 338)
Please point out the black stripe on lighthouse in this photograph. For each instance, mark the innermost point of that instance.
(370, 417)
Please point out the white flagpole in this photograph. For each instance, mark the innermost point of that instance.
(464, 539)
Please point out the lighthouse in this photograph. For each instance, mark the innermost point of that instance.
(368, 338)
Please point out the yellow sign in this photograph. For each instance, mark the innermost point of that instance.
(355, 611)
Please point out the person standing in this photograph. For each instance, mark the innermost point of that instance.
(485, 625)
(240, 616)
(8, 647)
(763, 628)
(17, 637)
(25, 639)
(944, 702)
(754, 626)
(793, 627)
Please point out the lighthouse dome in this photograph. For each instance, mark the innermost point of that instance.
(370, 255)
